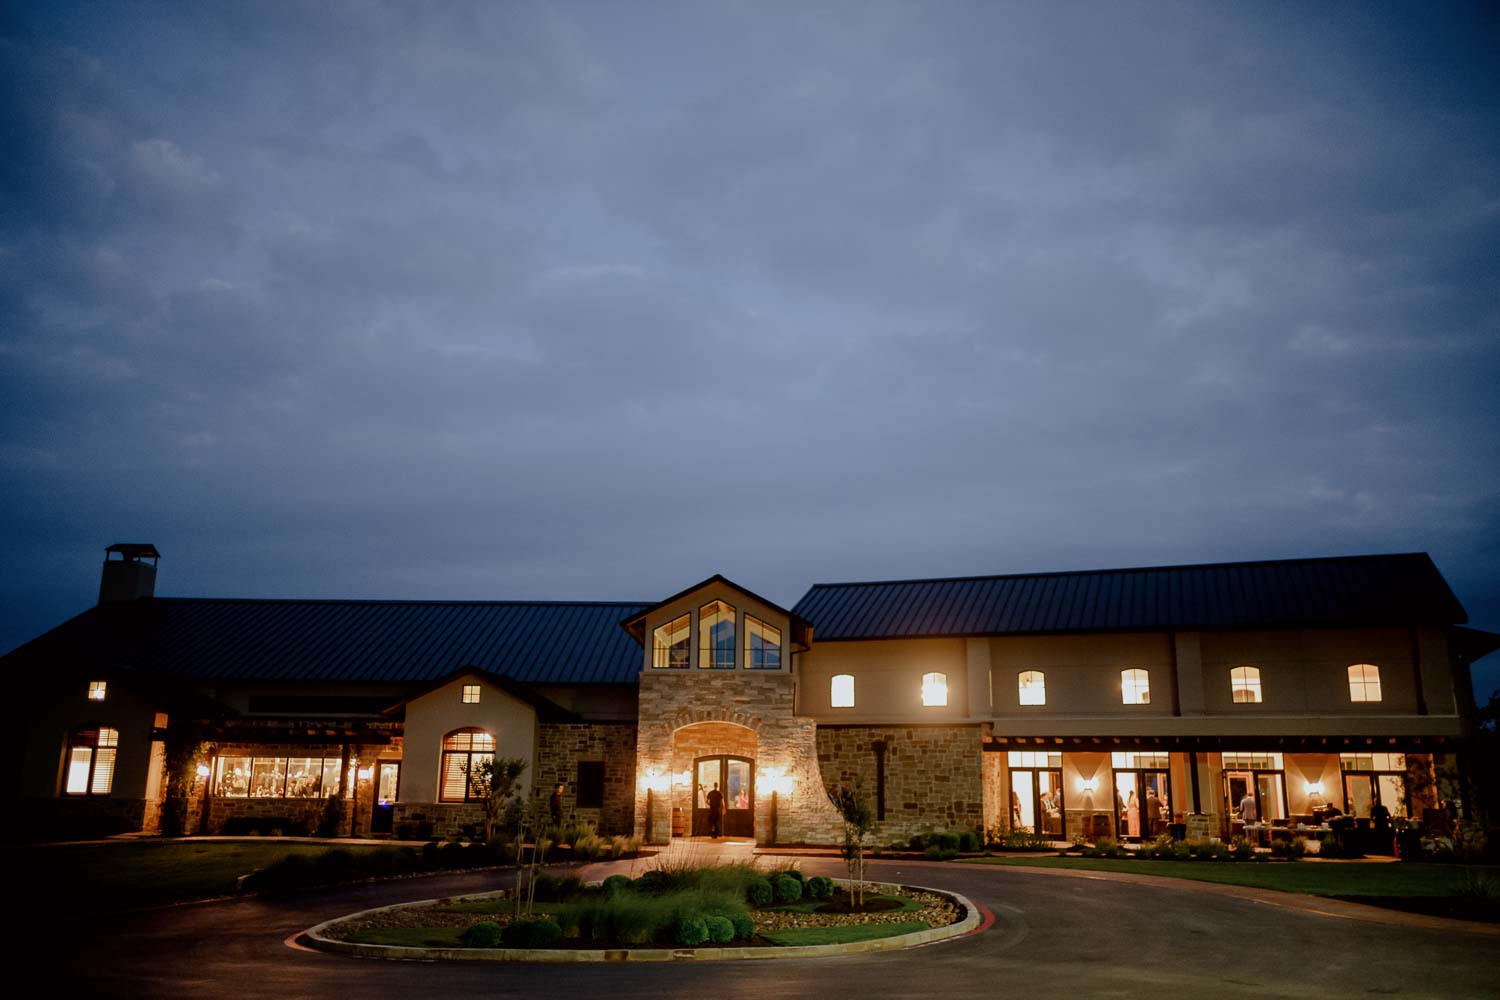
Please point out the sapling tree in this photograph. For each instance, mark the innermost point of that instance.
(859, 820)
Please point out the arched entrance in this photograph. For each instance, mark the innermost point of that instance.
(734, 778)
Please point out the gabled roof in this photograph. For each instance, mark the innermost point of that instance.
(636, 624)
(545, 708)
(1404, 590)
(531, 642)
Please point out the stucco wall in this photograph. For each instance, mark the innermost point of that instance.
(1082, 673)
(431, 717)
(887, 680)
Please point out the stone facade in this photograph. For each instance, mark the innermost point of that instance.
(560, 747)
(932, 774)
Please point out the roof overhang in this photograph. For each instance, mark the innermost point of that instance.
(801, 627)
(545, 708)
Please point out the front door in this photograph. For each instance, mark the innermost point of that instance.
(1143, 804)
(387, 784)
(1036, 802)
(734, 779)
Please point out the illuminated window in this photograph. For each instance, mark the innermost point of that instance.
(762, 645)
(1244, 685)
(91, 761)
(716, 636)
(1135, 686)
(1364, 682)
(238, 777)
(1131, 760)
(671, 645)
(96, 690)
(841, 694)
(934, 689)
(160, 721)
(1033, 687)
(471, 694)
(1034, 758)
(1251, 760)
(463, 749)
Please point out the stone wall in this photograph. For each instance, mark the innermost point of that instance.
(301, 812)
(932, 774)
(560, 746)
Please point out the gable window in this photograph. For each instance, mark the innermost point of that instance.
(762, 645)
(841, 692)
(590, 788)
(463, 749)
(1244, 685)
(1135, 686)
(716, 636)
(1364, 682)
(671, 644)
(471, 694)
(96, 690)
(91, 761)
(1033, 687)
(934, 689)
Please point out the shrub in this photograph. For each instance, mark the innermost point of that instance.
(620, 847)
(1243, 848)
(1105, 847)
(720, 929)
(554, 890)
(570, 921)
(917, 843)
(819, 887)
(968, 841)
(587, 847)
(936, 852)
(758, 892)
(690, 931)
(1292, 850)
(947, 841)
(616, 884)
(654, 882)
(744, 927)
(1209, 850)
(1160, 849)
(485, 934)
(452, 855)
(788, 889)
(531, 934)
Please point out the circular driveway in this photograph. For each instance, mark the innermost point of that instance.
(1054, 935)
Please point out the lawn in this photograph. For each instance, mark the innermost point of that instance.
(143, 873)
(1346, 879)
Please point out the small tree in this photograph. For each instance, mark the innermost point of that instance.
(859, 819)
(493, 780)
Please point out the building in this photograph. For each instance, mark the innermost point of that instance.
(1077, 704)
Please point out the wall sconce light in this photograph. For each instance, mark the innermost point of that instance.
(203, 771)
(653, 780)
(682, 779)
(1314, 788)
(1088, 784)
(776, 781)
(364, 774)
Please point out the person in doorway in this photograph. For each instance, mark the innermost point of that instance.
(715, 811)
(554, 806)
(1133, 815)
(1247, 808)
(1153, 813)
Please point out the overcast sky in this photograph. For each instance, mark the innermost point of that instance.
(590, 301)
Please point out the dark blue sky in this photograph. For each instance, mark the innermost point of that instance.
(593, 300)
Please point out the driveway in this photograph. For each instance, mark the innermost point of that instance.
(1054, 936)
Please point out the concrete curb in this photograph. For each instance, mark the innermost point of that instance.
(314, 937)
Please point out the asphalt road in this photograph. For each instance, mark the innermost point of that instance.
(1054, 937)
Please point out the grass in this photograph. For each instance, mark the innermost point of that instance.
(412, 937)
(811, 905)
(841, 935)
(144, 873)
(1347, 880)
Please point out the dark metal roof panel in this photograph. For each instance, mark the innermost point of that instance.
(1352, 590)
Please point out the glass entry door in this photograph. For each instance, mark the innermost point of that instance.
(1143, 804)
(1036, 802)
(733, 779)
(387, 784)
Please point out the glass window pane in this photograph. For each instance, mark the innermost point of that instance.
(708, 777)
(737, 785)
(1268, 787)
(1033, 687)
(1135, 687)
(267, 776)
(670, 644)
(455, 777)
(1128, 803)
(716, 636)
(104, 771)
(762, 645)
(78, 770)
(1360, 792)
(304, 777)
(330, 776)
(1050, 794)
(1244, 683)
(389, 776)
(1158, 806)
(234, 777)
(1392, 791)
(1022, 809)
(934, 689)
(841, 694)
(109, 737)
(1364, 682)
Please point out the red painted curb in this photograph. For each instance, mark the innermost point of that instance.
(986, 920)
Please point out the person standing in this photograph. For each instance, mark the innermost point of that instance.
(715, 811)
(554, 806)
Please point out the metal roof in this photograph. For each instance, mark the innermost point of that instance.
(532, 642)
(1404, 589)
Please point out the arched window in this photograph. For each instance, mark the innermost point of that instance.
(91, 761)
(841, 691)
(1364, 682)
(1135, 686)
(716, 636)
(1033, 687)
(934, 689)
(462, 749)
(1244, 685)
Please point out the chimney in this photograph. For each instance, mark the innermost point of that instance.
(129, 577)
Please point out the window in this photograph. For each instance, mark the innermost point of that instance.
(1034, 758)
(461, 751)
(1131, 760)
(159, 721)
(1244, 685)
(716, 636)
(237, 777)
(1364, 682)
(762, 645)
(1395, 763)
(1135, 687)
(934, 689)
(590, 784)
(96, 690)
(1033, 687)
(671, 645)
(1252, 761)
(841, 692)
(1375, 778)
(471, 694)
(91, 761)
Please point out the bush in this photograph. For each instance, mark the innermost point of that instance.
(690, 931)
(616, 884)
(1105, 847)
(947, 841)
(968, 841)
(1292, 850)
(720, 929)
(819, 887)
(1209, 850)
(587, 847)
(758, 892)
(332, 820)
(744, 927)
(452, 855)
(936, 852)
(1243, 848)
(531, 934)
(917, 843)
(485, 934)
(654, 882)
(554, 890)
(788, 889)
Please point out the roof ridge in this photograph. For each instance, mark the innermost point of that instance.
(403, 601)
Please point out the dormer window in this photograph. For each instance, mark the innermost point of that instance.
(762, 645)
(96, 690)
(470, 694)
(716, 636)
(671, 645)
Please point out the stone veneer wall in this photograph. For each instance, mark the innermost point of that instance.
(761, 703)
(560, 746)
(301, 812)
(932, 774)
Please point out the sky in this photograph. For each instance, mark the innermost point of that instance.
(591, 301)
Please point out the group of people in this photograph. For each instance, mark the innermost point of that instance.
(1152, 823)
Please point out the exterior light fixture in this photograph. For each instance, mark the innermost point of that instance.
(776, 780)
(1314, 788)
(1088, 784)
(364, 774)
(655, 780)
(203, 771)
